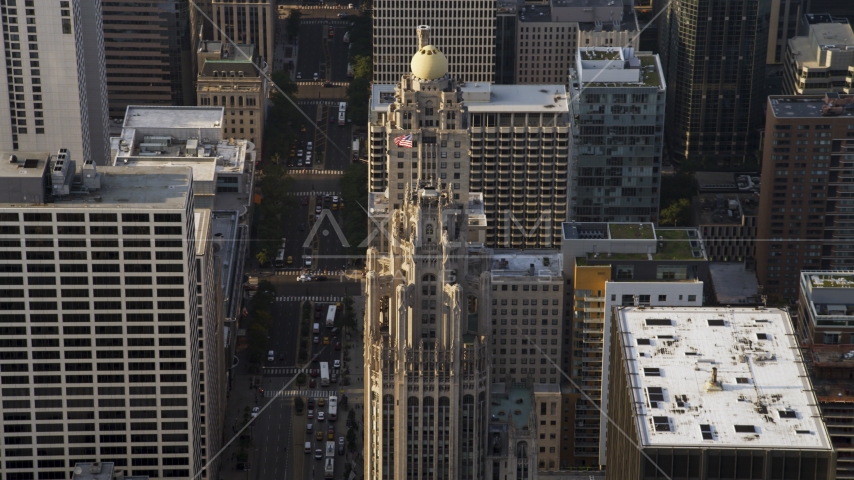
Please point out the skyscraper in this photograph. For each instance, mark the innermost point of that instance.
(713, 55)
(250, 22)
(100, 346)
(56, 82)
(509, 142)
(465, 30)
(618, 102)
(806, 175)
(149, 61)
(426, 343)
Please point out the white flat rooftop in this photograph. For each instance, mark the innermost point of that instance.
(514, 98)
(173, 117)
(765, 398)
(511, 262)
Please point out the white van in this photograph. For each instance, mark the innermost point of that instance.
(316, 328)
(307, 447)
(271, 356)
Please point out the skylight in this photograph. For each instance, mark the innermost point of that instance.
(706, 432)
(644, 341)
(763, 336)
(745, 429)
(742, 380)
(656, 394)
(661, 424)
(652, 372)
(716, 322)
(659, 322)
(788, 414)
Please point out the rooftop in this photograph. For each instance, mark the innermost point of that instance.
(616, 67)
(631, 230)
(378, 203)
(24, 164)
(484, 97)
(762, 397)
(733, 284)
(829, 297)
(535, 13)
(202, 222)
(136, 187)
(99, 471)
(515, 406)
(725, 208)
(173, 117)
(805, 106)
(527, 263)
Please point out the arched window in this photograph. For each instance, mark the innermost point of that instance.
(522, 450)
(239, 101)
(232, 100)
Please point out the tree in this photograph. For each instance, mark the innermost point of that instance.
(363, 67)
(351, 417)
(354, 187)
(675, 187)
(299, 404)
(359, 95)
(292, 24)
(263, 257)
(264, 319)
(257, 337)
(301, 379)
(678, 213)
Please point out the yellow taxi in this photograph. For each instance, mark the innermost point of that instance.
(326, 340)
(290, 259)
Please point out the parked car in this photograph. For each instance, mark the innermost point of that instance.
(336, 364)
(310, 414)
(320, 416)
(312, 383)
(316, 339)
(337, 345)
(315, 77)
(308, 146)
(305, 201)
(256, 411)
(310, 402)
(321, 402)
(318, 454)
(340, 445)
(299, 75)
(319, 436)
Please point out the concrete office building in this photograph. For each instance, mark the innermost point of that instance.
(803, 224)
(727, 222)
(549, 35)
(713, 55)
(820, 61)
(615, 265)
(618, 104)
(527, 316)
(427, 360)
(244, 23)
(228, 77)
(148, 56)
(783, 25)
(114, 246)
(681, 407)
(469, 137)
(191, 137)
(55, 58)
(826, 307)
(463, 29)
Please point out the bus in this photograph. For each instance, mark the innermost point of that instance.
(342, 118)
(279, 262)
(324, 374)
(330, 316)
(333, 407)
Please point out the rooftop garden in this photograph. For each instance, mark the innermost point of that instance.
(631, 231)
(600, 55)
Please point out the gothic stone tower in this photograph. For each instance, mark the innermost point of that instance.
(426, 345)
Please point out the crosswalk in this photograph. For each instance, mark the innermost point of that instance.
(334, 84)
(284, 370)
(301, 393)
(310, 299)
(308, 194)
(288, 273)
(334, 23)
(328, 103)
(315, 172)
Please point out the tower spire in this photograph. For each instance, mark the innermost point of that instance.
(423, 36)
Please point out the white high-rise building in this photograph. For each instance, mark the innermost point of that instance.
(55, 78)
(463, 29)
(98, 303)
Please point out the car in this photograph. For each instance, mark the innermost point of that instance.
(301, 227)
(308, 161)
(320, 416)
(299, 163)
(305, 201)
(299, 75)
(320, 199)
(333, 378)
(331, 31)
(331, 119)
(320, 278)
(319, 436)
(281, 356)
(315, 77)
(327, 84)
(271, 356)
(318, 454)
(310, 402)
(309, 427)
(302, 127)
(290, 163)
(310, 413)
(308, 264)
(326, 340)
(316, 339)
(342, 15)
(341, 202)
(337, 345)
(318, 307)
(308, 146)
(330, 434)
(299, 153)
(336, 364)
(314, 373)
(321, 402)
(317, 217)
(256, 411)
(293, 153)
(304, 278)
(335, 199)
(317, 315)
(290, 259)
(312, 383)
(340, 445)
(318, 209)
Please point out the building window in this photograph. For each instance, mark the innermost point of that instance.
(66, 26)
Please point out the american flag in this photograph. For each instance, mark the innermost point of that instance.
(404, 141)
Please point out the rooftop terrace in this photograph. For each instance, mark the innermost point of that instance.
(674, 244)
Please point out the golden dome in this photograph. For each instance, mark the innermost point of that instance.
(429, 63)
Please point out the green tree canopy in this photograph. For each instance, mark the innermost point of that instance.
(354, 188)
(293, 23)
(677, 214)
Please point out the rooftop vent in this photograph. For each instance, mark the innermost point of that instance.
(652, 372)
(661, 424)
(763, 336)
(716, 322)
(644, 341)
(788, 414)
(706, 432)
(659, 322)
(745, 429)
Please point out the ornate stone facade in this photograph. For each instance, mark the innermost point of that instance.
(426, 353)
